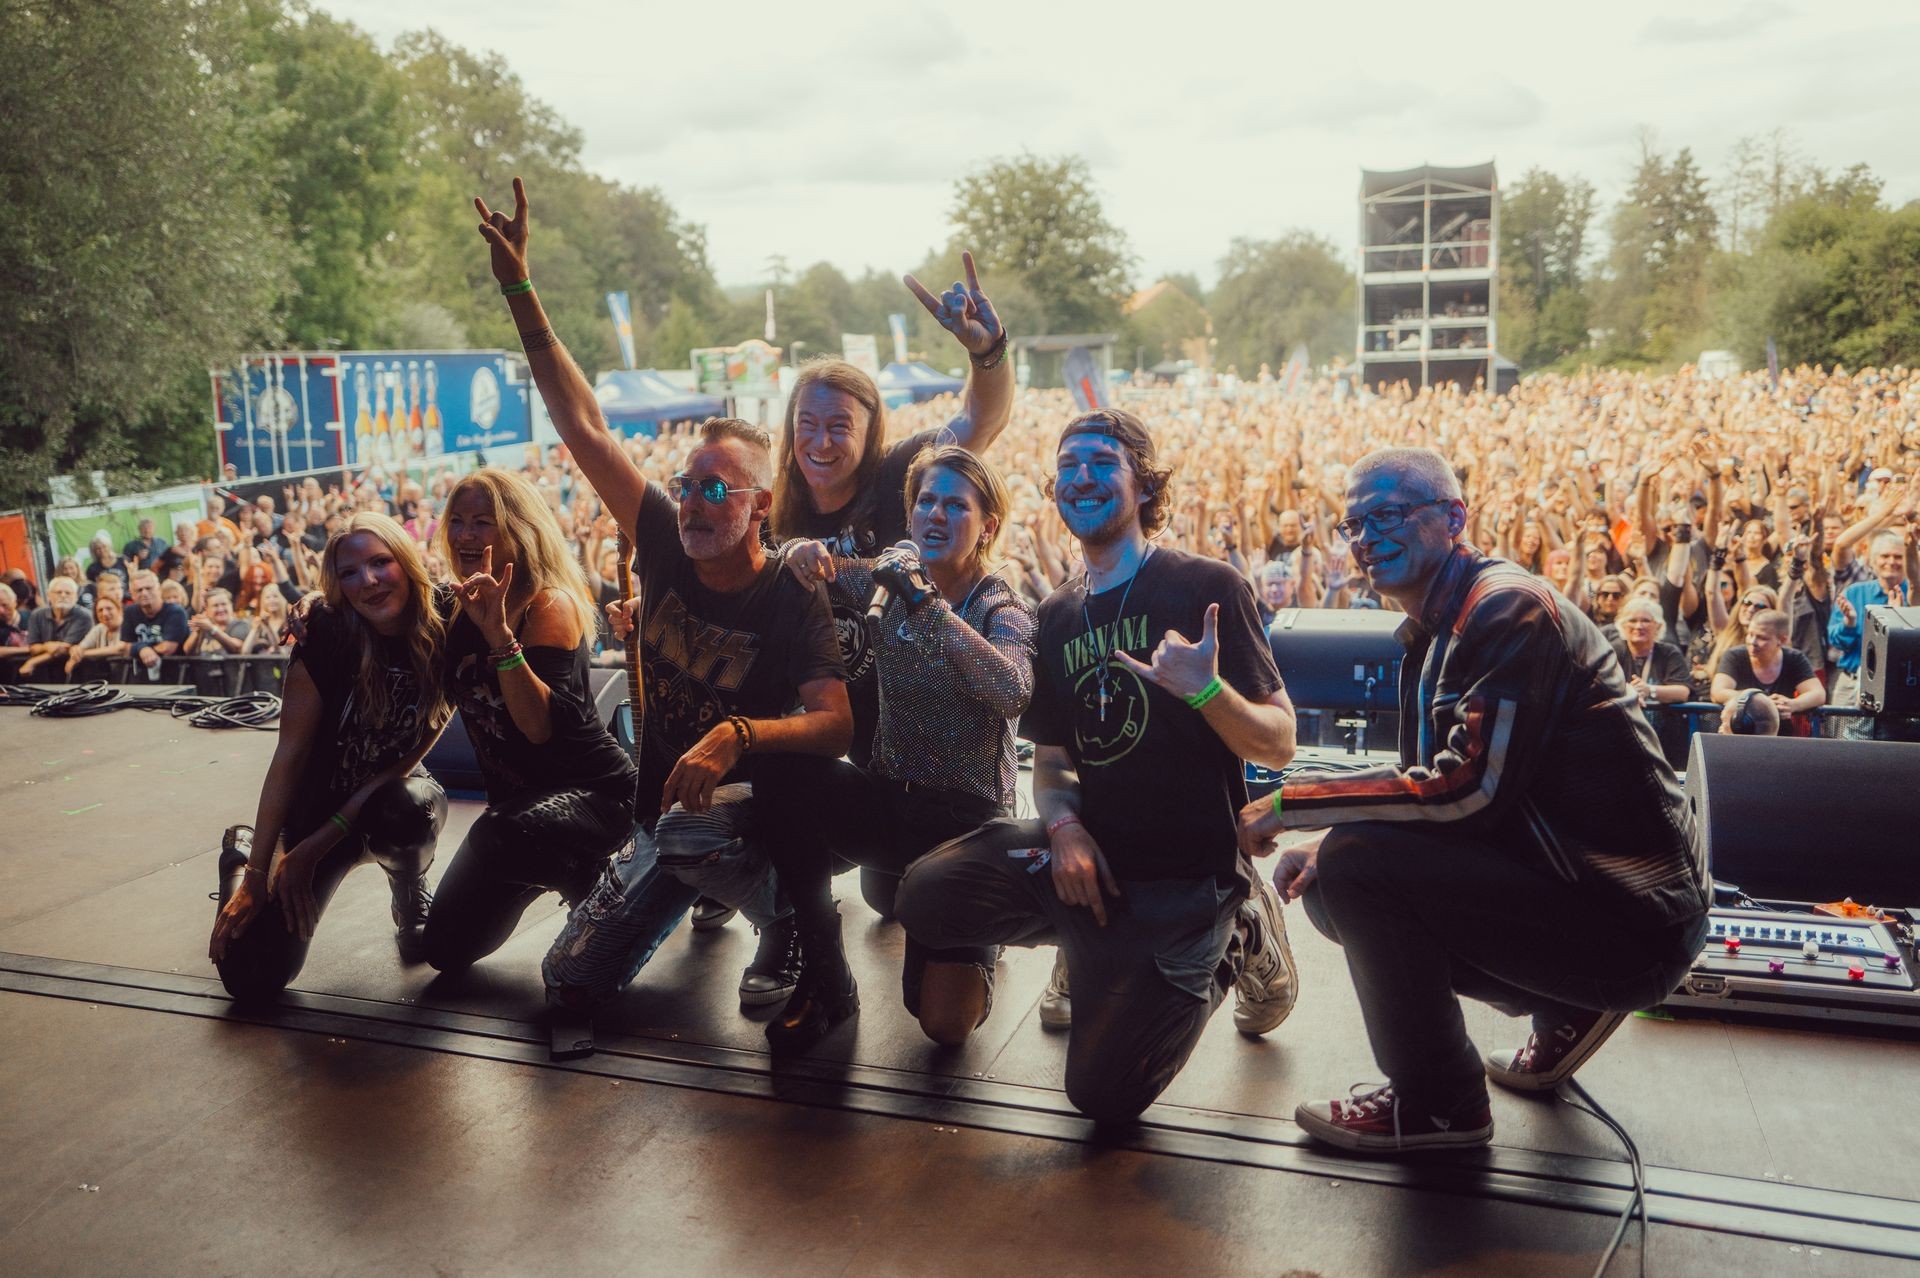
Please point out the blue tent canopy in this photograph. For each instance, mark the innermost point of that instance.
(912, 383)
(640, 400)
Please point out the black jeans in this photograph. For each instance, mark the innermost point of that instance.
(1426, 914)
(1144, 986)
(399, 826)
(880, 825)
(518, 850)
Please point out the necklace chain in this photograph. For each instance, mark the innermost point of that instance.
(1100, 672)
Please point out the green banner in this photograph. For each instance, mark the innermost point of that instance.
(73, 531)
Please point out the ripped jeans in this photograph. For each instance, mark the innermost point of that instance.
(647, 889)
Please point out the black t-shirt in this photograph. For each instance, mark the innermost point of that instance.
(1665, 665)
(353, 743)
(707, 655)
(1795, 670)
(581, 753)
(167, 625)
(873, 521)
(1160, 792)
(142, 554)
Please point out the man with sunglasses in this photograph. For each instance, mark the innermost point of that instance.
(730, 642)
(1530, 840)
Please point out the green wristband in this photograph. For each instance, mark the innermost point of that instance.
(517, 659)
(1206, 694)
(346, 826)
(514, 290)
(1276, 803)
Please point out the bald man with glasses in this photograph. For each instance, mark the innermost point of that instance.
(1530, 849)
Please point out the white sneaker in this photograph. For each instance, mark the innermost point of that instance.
(1056, 1005)
(1265, 992)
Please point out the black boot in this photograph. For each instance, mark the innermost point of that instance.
(774, 973)
(411, 901)
(825, 996)
(236, 848)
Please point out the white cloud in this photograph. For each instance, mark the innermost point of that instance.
(836, 130)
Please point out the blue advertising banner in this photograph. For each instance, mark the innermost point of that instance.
(278, 414)
(405, 405)
(288, 414)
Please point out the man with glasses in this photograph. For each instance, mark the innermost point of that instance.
(1530, 839)
(1152, 681)
(729, 643)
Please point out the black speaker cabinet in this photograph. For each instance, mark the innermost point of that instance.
(1338, 658)
(452, 760)
(1808, 818)
(1890, 661)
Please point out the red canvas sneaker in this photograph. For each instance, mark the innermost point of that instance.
(1374, 1120)
(1552, 1053)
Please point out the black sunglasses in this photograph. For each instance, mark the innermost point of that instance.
(715, 489)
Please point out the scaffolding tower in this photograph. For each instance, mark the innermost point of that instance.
(1429, 254)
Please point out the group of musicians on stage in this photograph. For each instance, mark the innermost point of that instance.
(850, 697)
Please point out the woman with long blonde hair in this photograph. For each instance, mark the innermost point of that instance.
(560, 790)
(361, 705)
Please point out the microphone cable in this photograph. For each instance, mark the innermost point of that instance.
(259, 710)
(1637, 1200)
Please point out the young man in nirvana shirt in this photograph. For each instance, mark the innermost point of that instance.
(730, 641)
(1153, 680)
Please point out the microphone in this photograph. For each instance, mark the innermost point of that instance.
(881, 595)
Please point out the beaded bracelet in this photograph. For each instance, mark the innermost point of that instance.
(517, 659)
(515, 289)
(743, 729)
(1062, 822)
(1213, 689)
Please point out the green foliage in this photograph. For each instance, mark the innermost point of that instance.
(135, 251)
(1163, 327)
(1038, 222)
(1274, 293)
(1654, 304)
(1544, 223)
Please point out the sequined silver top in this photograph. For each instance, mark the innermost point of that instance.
(952, 685)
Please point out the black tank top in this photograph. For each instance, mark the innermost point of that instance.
(580, 755)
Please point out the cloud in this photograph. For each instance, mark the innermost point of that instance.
(1747, 20)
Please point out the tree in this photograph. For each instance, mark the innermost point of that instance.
(1274, 293)
(126, 276)
(1544, 221)
(1040, 221)
(1655, 301)
(1164, 324)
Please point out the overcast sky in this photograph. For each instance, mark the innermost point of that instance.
(835, 129)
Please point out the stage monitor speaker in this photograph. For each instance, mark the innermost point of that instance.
(452, 760)
(1338, 658)
(1808, 819)
(1890, 661)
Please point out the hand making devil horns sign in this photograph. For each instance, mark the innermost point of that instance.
(962, 310)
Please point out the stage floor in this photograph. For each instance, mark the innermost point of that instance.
(388, 1119)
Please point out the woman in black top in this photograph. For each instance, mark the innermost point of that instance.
(1656, 670)
(955, 660)
(560, 791)
(360, 706)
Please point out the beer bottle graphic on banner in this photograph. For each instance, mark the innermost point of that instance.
(401, 446)
(382, 443)
(436, 443)
(416, 417)
(362, 415)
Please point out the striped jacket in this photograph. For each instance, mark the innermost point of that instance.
(1516, 720)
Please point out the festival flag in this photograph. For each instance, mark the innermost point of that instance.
(1084, 379)
(1773, 365)
(769, 315)
(1296, 370)
(621, 309)
(898, 323)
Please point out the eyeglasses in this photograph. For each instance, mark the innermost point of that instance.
(715, 489)
(1608, 594)
(1383, 519)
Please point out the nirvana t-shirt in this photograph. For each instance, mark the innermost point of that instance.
(1795, 670)
(1160, 792)
(169, 625)
(580, 755)
(707, 655)
(354, 743)
(869, 524)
